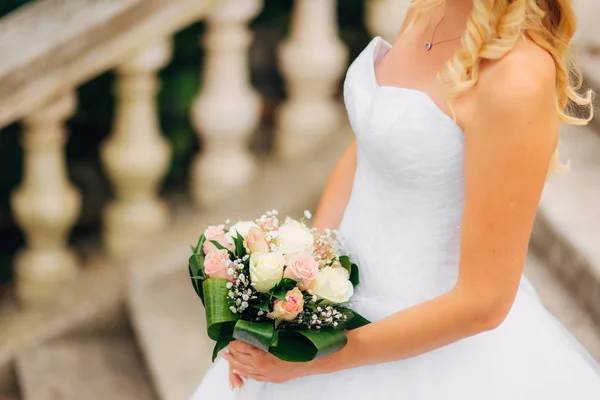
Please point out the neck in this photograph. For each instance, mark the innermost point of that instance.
(457, 11)
(464, 4)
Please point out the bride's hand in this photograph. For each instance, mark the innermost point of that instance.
(234, 379)
(248, 361)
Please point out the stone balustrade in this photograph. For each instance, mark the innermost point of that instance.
(50, 47)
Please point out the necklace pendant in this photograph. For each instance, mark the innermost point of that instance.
(428, 46)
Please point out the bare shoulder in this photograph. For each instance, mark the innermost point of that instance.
(517, 94)
(523, 80)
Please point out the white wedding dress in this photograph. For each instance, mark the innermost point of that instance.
(402, 226)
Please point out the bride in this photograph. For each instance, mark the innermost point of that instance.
(456, 128)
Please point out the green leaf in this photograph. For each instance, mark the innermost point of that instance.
(353, 319)
(220, 321)
(345, 262)
(196, 274)
(198, 250)
(275, 338)
(288, 284)
(278, 293)
(304, 346)
(218, 245)
(354, 275)
(281, 289)
(240, 249)
(220, 345)
(261, 303)
(257, 334)
(196, 263)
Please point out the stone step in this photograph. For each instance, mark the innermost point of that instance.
(94, 303)
(561, 303)
(171, 330)
(566, 235)
(90, 369)
(166, 314)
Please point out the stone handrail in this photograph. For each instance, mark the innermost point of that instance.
(50, 47)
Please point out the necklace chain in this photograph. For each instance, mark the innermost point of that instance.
(430, 44)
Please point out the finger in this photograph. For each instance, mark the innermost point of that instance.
(247, 359)
(260, 378)
(234, 379)
(242, 375)
(243, 369)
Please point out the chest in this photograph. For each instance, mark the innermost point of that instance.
(408, 64)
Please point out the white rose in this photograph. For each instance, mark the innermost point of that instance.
(241, 227)
(332, 284)
(294, 238)
(266, 270)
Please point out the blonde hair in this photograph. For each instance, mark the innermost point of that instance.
(494, 27)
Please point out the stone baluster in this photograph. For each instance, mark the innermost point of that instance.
(136, 156)
(384, 17)
(227, 110)
(313, 61)
(46, 205)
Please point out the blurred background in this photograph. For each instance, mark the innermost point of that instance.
(127, 126)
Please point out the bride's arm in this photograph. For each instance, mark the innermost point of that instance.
(509, 141)
(337, 191)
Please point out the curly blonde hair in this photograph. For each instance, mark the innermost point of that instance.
(494, 27)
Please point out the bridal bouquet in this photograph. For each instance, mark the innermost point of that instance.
(280, 287)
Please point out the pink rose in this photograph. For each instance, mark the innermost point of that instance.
(289, 309)
(256, 241)
(216, 264)
(215, 233)
(302, 267)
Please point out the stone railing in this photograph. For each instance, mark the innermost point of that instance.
(50, 47)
